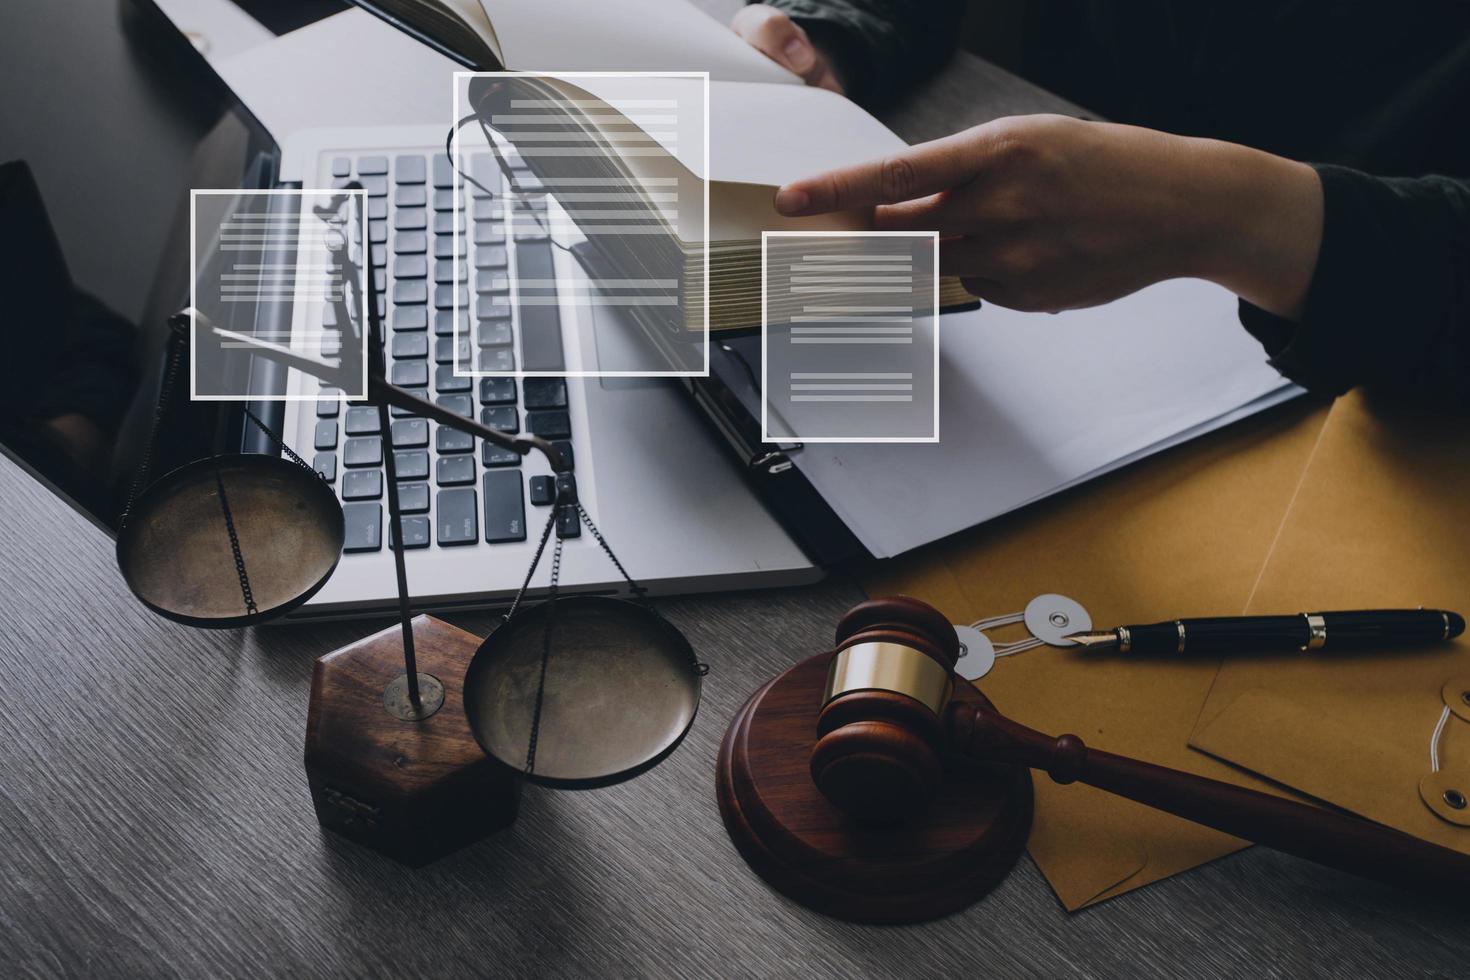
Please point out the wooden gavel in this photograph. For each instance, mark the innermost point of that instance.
(887, 720)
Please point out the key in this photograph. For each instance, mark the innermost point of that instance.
(489, 234)
(566, 487)
(458, 404)
(448, 441)
(410, 433)
(413, 498)
(491, 257)
(565, 448)
(447, 297)
(326, 434)
(458, 522)
(380, 256)
(372, 165)
(491, 281)
(410, 346)
(415, 531)
(488, 209)
(505, 418)
(540, 325)
(494, 333)
(444, 200)
(410, 318)
(443, 171)
(492, 455)
(410, 219)
(444, 323)
(362, 420)
(363, 452)
(497, 359)
(362, 485)
(444, 222)
(364, 527)
(542, 490)
(452, 471)
(380, 279)
(341, 166)
(411, 464)
(505, 509)
(447, 382)
(568, 523)
(444, 272)
(497, 391)
(327, 408)
(546, 393)
(445, 247)
(409, 169)
(377, 232)
(326, 465)
(555, 424)
(409, 374)
(486, 173)
(410, 291)
(447, 352)
(410, 243)
(375, 186)
(488, 310)
(377, 208)
(410, 267)
(411, 196)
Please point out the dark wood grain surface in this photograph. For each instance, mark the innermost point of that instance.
(155, 818)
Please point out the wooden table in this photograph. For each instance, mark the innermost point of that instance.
(156, 820)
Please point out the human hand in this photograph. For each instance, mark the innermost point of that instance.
(781, 39)
(1054, 213)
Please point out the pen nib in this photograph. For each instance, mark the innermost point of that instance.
(1095, 639)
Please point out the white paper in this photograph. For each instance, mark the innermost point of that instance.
(629, 35)
(1031, 404)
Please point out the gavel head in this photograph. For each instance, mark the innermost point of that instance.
(879, 733)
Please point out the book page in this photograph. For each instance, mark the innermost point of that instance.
(631, 35)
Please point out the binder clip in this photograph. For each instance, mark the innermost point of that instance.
(1049, 618)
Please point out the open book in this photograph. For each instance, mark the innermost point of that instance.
(766, 126)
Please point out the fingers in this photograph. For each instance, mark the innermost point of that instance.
(915, 172)
(776, 36)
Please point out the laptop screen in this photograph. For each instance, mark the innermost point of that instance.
(94, 197)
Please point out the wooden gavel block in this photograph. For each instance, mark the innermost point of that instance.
(872, 784)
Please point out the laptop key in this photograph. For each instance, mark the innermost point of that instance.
(326, 465)
(540, 324)
(341, 166)
(372, 165)
(446, 382)
(410, 346)
(367, 451)
(446, 246)
(489, 233)
(444, 323)
(542, 490)
(411, 196)
(379, 256)
(444, 222)
(409, 374)
(565, 448)
(410, 267)
(491, 281)
(497, 359)
(494, 333)
(504, 417)
(457, 517)
(410, 243)
(375, 186)
(444, 200)
(505, 508)
(362, 485)
(458, 404)
(447, 297)
(453, 471)
(443, 171)
(409, 169)
(447, 352)
(491, 257)
(497, 391)
(411, 464)
(415, 530)
(410, 318)
(445, 272)
(410, 434)
(362, 420)
(493, 456)
(377, 208)
(364, 527)
(486, 174)
(413, 498)
(554, 424)
(377, 232)
(409, 219)
(407, 292)
(448, 441)
(326, 434)
(568, 523)
(327, 408)
(488, 308)
(546, 393)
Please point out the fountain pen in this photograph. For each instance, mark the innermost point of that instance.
(1360, 630)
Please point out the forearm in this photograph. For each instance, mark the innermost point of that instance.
(881, 47)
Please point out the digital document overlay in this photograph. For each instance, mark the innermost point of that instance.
(283, 267)
(849, 336)
(581, 224)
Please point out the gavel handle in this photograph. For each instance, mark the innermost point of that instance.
(1328, 837)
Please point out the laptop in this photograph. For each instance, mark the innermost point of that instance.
(679, 512)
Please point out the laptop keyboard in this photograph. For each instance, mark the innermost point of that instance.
(454, 490)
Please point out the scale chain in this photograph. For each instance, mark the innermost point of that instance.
(224, 503)
(545, 655)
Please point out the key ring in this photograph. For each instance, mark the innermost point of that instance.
(1049, 618)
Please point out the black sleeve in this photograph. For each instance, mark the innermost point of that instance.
(881, 47)
(1389, 303)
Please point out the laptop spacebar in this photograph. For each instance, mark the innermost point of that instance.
(540, 319)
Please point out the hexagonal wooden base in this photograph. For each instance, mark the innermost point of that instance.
(413, 790)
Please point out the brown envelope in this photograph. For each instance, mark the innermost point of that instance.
(1382, 519)
(1181, 534)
